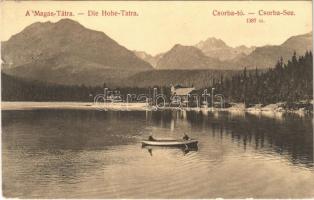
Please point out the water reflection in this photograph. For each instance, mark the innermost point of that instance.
(287, 134)
(184, 150)
(93, 154)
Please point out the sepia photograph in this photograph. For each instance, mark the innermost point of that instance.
(157, 100)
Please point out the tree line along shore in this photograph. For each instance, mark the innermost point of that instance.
(288, 84)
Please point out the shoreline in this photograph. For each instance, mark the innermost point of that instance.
(18, 105)
(29, 105)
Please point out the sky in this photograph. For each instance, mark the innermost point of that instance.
(161, 25)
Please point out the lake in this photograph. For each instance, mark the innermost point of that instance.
(51, 153)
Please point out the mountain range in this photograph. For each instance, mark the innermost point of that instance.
(66, 52)
(216, 48)
(267, 56)
(216, 54)
(187, 57)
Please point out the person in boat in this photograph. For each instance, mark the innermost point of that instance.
(151, 138)
(185, 137)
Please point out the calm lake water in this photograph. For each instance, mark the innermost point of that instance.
(97, 154)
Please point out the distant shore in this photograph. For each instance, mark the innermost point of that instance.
(236, 107)
(17, 105)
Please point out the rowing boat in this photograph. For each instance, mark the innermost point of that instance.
(181, 142)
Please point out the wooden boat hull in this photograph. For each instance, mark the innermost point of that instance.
(169, 143)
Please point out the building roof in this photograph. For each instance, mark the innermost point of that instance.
(183, 91)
